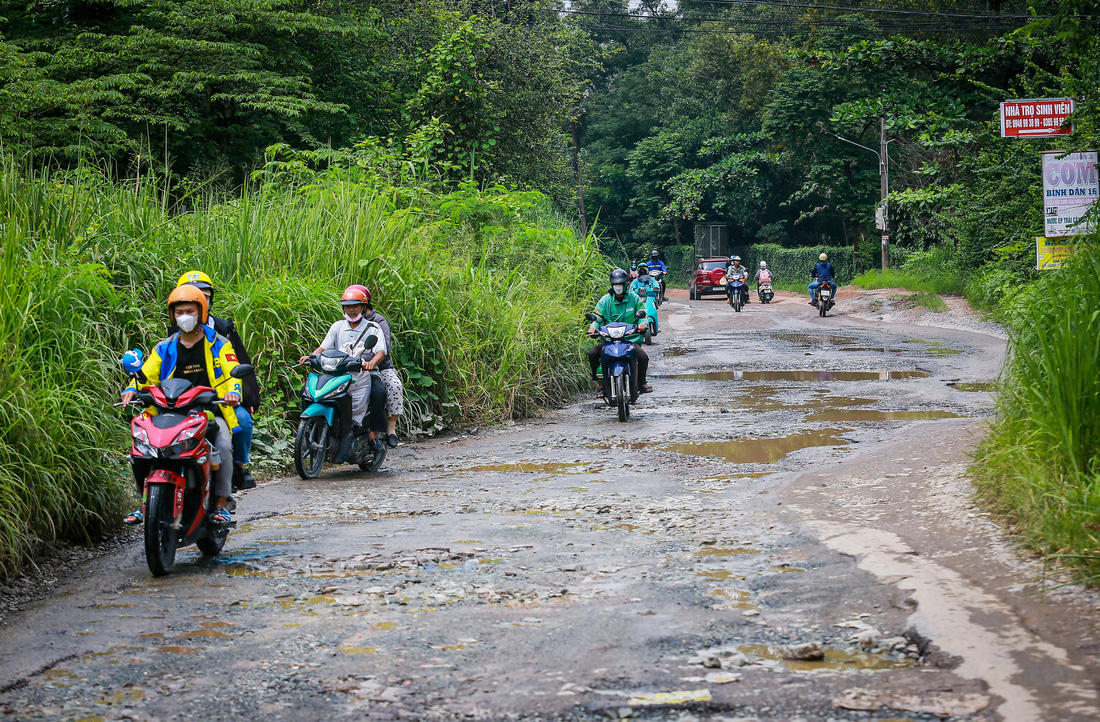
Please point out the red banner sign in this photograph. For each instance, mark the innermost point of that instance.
(1035, 118)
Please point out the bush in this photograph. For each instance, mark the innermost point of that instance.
(1040, 465)
(795, 264)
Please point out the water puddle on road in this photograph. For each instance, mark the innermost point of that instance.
(846, 415)
(765, 450)
(172, 649)
(795, 375)
(987, 386)
(721, 574)
(732, 598)
(835, 659)
(725, 551)
(678, 351)
(209, 633)
(538, 468)
(358, 650)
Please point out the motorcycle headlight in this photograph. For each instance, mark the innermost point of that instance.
(181, 447)
(140, 434)
(146, 450)
(616, 331)
(329, 363)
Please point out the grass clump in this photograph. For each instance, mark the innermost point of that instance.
(1040, 465)
(485, 289)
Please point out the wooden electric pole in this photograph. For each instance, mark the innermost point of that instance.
(884, 188)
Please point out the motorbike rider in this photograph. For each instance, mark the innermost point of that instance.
(348, 335)
(763, 275)
(645, 281)
(823, 273)
(656, 264)
(734, 271)
(621, 305)
(250, 398)
(395, 390)
(199, 354)
(633, 270)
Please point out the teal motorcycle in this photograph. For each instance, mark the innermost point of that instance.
(651, 329)
(326, 431)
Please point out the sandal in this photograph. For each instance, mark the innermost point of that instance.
(601, 395)
(134, 518)
(647, 389)
(221, 517)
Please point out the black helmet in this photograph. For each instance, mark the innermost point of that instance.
(654, 253)
(619, 276)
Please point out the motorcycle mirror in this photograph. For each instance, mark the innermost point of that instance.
(241, 370)
(132, 361)
(590, 316)
(371, 342)
(640, 314)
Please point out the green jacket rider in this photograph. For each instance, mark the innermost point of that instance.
(620, 305)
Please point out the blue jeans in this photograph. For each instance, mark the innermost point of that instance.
(242, 440)
(817, 284)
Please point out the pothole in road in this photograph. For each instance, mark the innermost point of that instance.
(797, 375)
(732, 598)
(875, 415)
(835, 659)
(987, 386)
(725, 551)
(577, 467)
(848, 343)
(760, 450)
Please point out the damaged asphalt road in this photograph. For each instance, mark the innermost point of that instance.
(783, 531)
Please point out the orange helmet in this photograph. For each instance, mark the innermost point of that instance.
(362, 288)
(189, 294)
(355, 295)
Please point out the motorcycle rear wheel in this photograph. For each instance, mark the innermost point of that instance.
(160, 538)
(620, 387)
(310, 447)
(374, 462)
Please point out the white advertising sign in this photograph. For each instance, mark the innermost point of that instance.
(1070, 189)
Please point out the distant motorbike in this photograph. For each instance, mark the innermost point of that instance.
(825, 299)
(659, 276)
(737, 290)
(173, 459)
(764, 291)
(616, 360)
(327, 431)
(651, 315)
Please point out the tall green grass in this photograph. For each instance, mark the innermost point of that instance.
(484, 289)
(1040, 465)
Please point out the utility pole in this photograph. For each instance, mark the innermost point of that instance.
(881, 218)
(884, 188)
(580, 184)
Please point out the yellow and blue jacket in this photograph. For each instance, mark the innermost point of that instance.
(220, 360)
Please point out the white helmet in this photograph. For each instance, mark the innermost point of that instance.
(763, 264)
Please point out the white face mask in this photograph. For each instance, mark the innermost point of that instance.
(618, 289)
(187, 323)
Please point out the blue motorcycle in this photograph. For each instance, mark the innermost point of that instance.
(618, 359)
(326, 431)
(737, 290)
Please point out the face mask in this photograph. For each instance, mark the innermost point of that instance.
(354, 319)
(187, 323)
(618, 289)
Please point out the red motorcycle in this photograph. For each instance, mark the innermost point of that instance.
(174, 462)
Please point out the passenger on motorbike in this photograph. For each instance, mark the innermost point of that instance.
(347, 336)
(199, 354)
(250, 398)
(646, 282)
(734, 270)
(823, 273)
(395, 390)
(620, 305)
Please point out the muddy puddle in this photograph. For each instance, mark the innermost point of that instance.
(847, 415)
(833, 342)
(764, 450)
(678, 351)
(795, 375)
(732, 598)
(835, 659)
(548, 467)
(986, 386)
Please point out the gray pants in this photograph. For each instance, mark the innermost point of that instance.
(223, 477)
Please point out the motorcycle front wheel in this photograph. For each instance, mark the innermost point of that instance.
(309, 447)
(823, 307)
(620, 388)
(160, 538)
(648, 335)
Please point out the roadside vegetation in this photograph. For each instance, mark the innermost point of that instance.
(1040, 465)
(484, 328)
